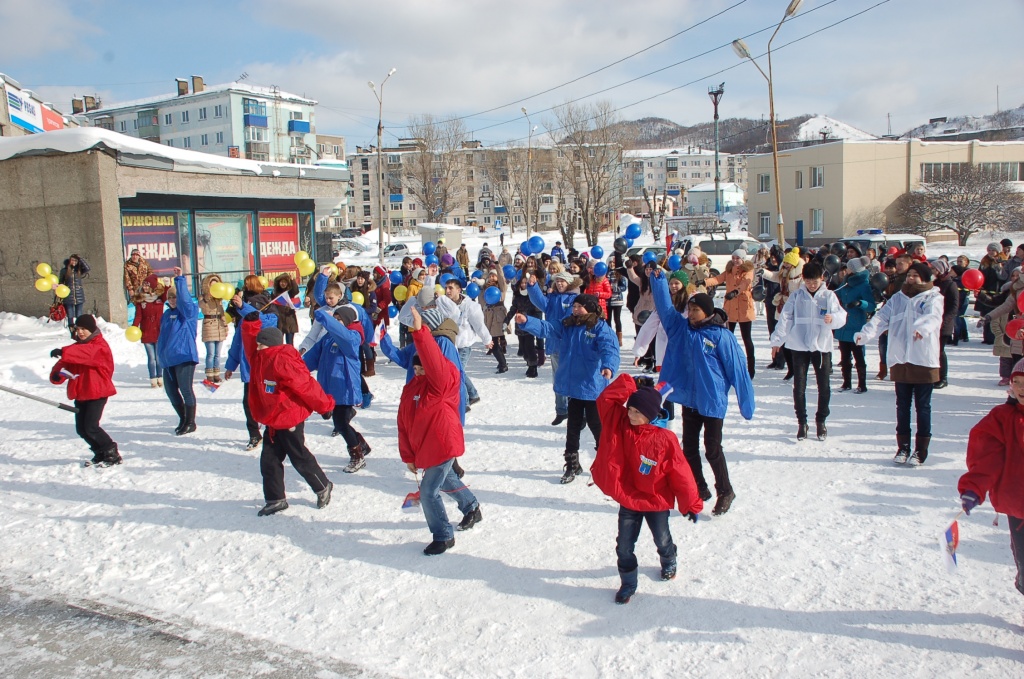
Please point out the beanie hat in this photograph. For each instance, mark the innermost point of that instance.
(1006, 242)
(855, 265)
(923, 270)
(941, 266)
(680, 276)
(447, 260)
(432, 317)
(425, 297)
(588, 302)
(792, 257)
(346, 315)
(152, 280)
(703, 301)
(564, 276)
(647, 400)
(1018, 369)
(271, 337)
(86, 321)
(739, 252)
(993, 246)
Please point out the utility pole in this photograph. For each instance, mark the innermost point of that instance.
(716, 96)
(529, 168)
(380, 168)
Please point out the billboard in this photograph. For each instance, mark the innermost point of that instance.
(224, 242)
(155, 234)
(25, 112)
(52, 120)
(279, 241)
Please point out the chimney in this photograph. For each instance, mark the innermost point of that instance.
(77, 106)
(197, 84)
(90, 103)
(182, 86)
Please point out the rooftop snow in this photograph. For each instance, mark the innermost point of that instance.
(226, 87)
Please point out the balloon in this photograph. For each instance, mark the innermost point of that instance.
(675, 262)
(400, 293)
(472, 290)
(629, 242)
(43, 269)
(432, 260)
(838, 249)
(972, 279)
(649, 257)
(63, 291)
(43, 285)
(879, 281)
(831, 264)
(334, 269)
(222, 291)
(643, 316)
(492, 295)
(357, 298)
(227, 317)
(892, 251)
(536, 245)
(395, 277)
(757, 293)
(524, 248)
(53, 279)
(265, 283)
(478, 274)
(445, 277)
(620, 246)
(600, 269)
(417, 262)
(392, 310)
(429, 248)
(1020, 303)
(301, 256)
(1014, 328)
(597, 252)
(133, 333)
(508, 271)
(307, 267)
(633, 231)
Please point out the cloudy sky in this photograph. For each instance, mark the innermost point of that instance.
(913, 59)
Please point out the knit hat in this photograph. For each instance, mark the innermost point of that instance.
(993, 246)
(680, 276)
(271, 337)
(447, 260)
(792, 257)
(588, 302)
(856, 265)
(564, 276)
(425, 297)
(152, 280)
(1018, 369)
(923, 270)
(416, 273)
(704, 302)
(86, 321)
(346, 315)
(739, 252)
(647, 400)
(432, 318)
(941, 266)
(1006, 242)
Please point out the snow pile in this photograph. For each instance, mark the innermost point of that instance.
(1004, 119)
(812, 129)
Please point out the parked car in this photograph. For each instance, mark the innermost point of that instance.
(881, 241)
(351, 233)
(397, 251)
(718, 247)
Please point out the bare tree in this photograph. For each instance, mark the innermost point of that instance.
(656, 211)
(435, 175)
(965, 200)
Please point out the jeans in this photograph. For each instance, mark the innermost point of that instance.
(693, 422)
(561, 402)
(212, 355)
(291, 443)
(437, 479)
(960, 325)
(921, 395)
(178, 384)
(1017, 546)
(822, 363)
(342, 416)
(580, 412)
(471, 392)
(87, 424)
(74, 311)
(630, 523)
(850, 354)
(152, 361)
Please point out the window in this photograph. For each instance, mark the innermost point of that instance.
(456, 221)
(184, 116)
(397, 223)
(202, 113)
(817, 177)
(135, 123)
(764, 220)
(591, 152)
(707, 163)
(366, 210)
(412, 222)
(485, 189)
(364, 164)
(186, 143)
(817, 220)
(396, 206)
(257, 134)
(295, 115)
(1006, 172)
(169, 142)
(412, 207)
(204, 140)
(547, 200)
(366, 195)
(650, 175)
(695, 175)
(799, 180)
(366, 180)
(254, 107)
(545, 218)
(220, 137)
(487, 220)
(337, 150)
(394, 159)
(471, 208)
(470, 192)
(517, 202)
(167, 119)
(124, 125)
(469, 175)
(707, 174)
(218, 111)
(487, 205)
(764, 183)
(517, 219)
(694, 163)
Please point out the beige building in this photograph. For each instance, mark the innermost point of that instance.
(833, 189)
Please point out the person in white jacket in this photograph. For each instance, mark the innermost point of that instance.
(471, 328)
(805, 326)
(913, 317)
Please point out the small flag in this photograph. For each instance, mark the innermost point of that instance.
(291, 302)
(67, 374)
(412, 500)
(212, 386)
(948, 543)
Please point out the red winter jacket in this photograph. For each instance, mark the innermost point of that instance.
(617, 468)
(995, 459)
(93, 363)
(148, 316)
(282, 393)
(602, 289)
(383, 300)
(429, 428)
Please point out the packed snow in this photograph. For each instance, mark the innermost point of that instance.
(812, 129)
(826, 565)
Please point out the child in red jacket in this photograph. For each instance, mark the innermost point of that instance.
(88, 368)
(641, 466)
(995, 465)
(600, 287)
(282, 395)
(430, 437)
(149, 311)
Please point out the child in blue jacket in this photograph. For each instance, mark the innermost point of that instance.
(177, 353)
(556, 305)
(858, 298)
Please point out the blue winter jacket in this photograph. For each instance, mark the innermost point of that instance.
(335, 358)
(856, 288)
(236, 359)
(702, 363)
(403, 358)
(582, 354)
(178, 328)
(556, 306)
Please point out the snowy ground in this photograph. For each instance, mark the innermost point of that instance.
(826, 565)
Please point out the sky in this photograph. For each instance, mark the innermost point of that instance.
(485, 60)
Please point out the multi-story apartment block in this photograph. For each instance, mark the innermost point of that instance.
(674, 171)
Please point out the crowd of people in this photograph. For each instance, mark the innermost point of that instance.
(565, 307)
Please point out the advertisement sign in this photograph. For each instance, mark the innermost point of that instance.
(279, 241)
(52, 120)
(25, 112)
(155, 234)
(223, 242)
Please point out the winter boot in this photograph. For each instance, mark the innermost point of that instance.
(323, 497)
(723, 503)
(110, 457)
(559, 419)
(668, 571)
(572, 467)
(97, 457)
(628, 587)
(920, 450)
(902, 449)
(370, 366)
(216, 376)
(471, 518)
(209, 375)
(159, 381)
(153, 382)
(820, 429)
(364, 446)
(541, 357)
(531, 371)
(847, 375)
(801, 430)
(356, 459)
(618, 336)
(437, 547)
(189, 422)
(181, 419)
(273, 507)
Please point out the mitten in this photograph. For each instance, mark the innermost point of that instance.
(56, 353)
(855, 304)
(731, 295)
(969, 501)
(252, 316)
(692, 516)
(642, 381)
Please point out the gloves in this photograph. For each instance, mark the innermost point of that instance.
(252, 316)
(731, 295)
(641, 381)
(56, 353)
(969, 501)
(692, 516)
(327, 415)
(855, 304)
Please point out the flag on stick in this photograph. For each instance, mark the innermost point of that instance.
(948, 543)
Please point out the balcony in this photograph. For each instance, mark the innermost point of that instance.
(300, 152)
(298, 127)
(257, 150)
(252, 120)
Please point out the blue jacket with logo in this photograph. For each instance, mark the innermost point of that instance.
(856, 288)
(556, 306)
(582, 354)
(335, 357)
(236, 359)
(178, 328)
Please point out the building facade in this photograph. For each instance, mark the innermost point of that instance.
(675, 171)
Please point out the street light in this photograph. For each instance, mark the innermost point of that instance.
(743, 52)
(380, 168)
(716, 96)
(529, 167)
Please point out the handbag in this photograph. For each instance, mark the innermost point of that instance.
(57, 311)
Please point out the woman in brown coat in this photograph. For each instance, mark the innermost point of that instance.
(215, 329)
(287, 322)
(494, 316)
(739, 303)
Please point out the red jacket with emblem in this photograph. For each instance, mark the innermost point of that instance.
(602, 289)
(93, 364)
(995, 459)
(429, 428)
(282, 393)
(642, 468)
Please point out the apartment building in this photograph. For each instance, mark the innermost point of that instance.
(675, 171)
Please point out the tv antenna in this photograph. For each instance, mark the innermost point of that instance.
(241, 77)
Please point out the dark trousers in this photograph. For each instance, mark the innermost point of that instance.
(178, 384)
(87, 424)
(987, 337)
(943, 361)
(498, 351)
(769, 316)
(883, 349)
(615, 317)
(850, 353)
(693, 422)
(279, 444)
(649, 359)
(960, 326)
(342, 424)
(528, 347)
(822, 363)
(921, 395)
(1017, 546)
(748, 342)
(251, 425)
(630, 523)
(581, 412)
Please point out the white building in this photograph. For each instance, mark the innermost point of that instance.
(700, 199)
(673, 171)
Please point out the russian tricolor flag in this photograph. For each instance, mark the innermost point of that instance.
(291, 302)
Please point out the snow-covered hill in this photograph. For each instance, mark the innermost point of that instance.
(952, 125)
(814, 128)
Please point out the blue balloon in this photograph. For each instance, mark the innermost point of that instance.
(649, 257)
(472, 290)
(395, 277)
(445, 277)
(524, 248)
(492, 295)
(509, 272)
(629, 242)
(478, 274)
(597, 252)
(392, 310)
(633, 231)
(431, 259)
(536, 245)
(600, 269)
(429, 248)
(675, 262)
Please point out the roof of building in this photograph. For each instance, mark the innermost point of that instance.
(710, 186)
(246, 88)
(659, 153)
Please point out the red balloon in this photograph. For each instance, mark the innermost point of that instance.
(1020, 303)
(1014, 328)
(972, 279)
(892, 251)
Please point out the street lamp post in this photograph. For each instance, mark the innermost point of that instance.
(380, 168)
(743, 52)
(716, 96)
(529, 167)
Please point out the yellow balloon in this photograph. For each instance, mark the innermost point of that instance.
(307, 267)
(62, 291)
(224, 290)
(357, 298)
(133, 333)
(334, 269)
(264, 282)
(53, 279)
(400, 293)
(227, 317)
(300, 257)
(43, 269)
(43, 285)
(438, 289)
